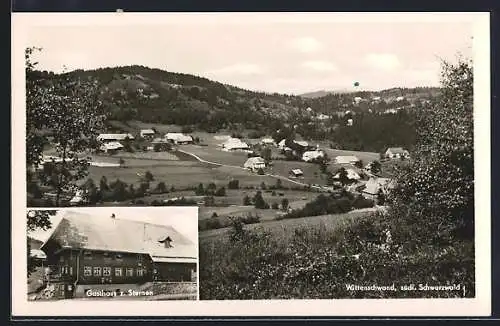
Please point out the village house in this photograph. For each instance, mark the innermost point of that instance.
(179, 138)
(85, 250)
(105, 138)
(309, 156)
(351, 175)
(302, 143)
(296, 173)
(374, 185)
(255, 163)
(235, 144)
(346, 159)
(111, 147)
(268, 141)
(147, 133)
(396, 152)
(323, 117)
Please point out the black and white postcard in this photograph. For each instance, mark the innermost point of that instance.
(330, 161)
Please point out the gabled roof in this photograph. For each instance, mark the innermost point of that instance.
(256, 159)
(234, 143)
(84, 231)
(302, 143)
(351, 174)
(114, 136)
(397, 150)
(147, 131)
(177, 136)
(38, 254)
(111, 145)
(374, 184)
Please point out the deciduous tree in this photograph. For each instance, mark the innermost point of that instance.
(70, 111)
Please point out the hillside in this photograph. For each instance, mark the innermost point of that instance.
(138, 93)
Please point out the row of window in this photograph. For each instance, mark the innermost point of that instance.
(106, 271)
(87, 255)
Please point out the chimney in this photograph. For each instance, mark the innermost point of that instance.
(113, 215)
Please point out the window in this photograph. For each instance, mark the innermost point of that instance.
(140, 260)
(119, 257)
(87, 255)
(106, 256)
(140, 272)
(106, 271)
(61, 259)
(130, 272)
(71, 270)
(97, 271)
(118, 271)
(87, 271)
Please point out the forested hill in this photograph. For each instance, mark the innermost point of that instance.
(154, 95)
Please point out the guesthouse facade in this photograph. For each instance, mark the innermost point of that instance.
(84, 250)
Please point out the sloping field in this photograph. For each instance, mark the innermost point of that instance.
(285, 228)
(217, 155)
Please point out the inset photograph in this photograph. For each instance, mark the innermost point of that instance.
(113, 253)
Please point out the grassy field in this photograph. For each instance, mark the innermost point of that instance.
(217, 155)
(283, 229)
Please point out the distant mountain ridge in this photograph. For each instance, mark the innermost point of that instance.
(159, 96)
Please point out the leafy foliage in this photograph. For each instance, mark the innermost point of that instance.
(67, 110)
(438, 185)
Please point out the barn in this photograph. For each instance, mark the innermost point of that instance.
(85, 250)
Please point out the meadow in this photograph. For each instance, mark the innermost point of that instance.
(318, 256)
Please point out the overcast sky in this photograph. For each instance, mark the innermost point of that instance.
(183, 219)
(266, 54)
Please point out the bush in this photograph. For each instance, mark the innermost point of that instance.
(214, 215)
(259, 202)
(252, 266)
(161, 188)
(361, 202)
(275, 205)
(247, 201)
(221, 192)
(233, 184)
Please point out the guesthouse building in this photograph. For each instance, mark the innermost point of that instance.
(86, 250)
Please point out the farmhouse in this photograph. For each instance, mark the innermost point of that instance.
(282, 143)
(374, 185)
(235, 144)
(267, 141)
(111, 147)
(85, 250)
(296, 173)
(396, 152)
(147, 133)
(114, 137)
(323, 117)
(351, 175)
(346, 159)
(255, 163)
(311, 155)
(178, 138)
